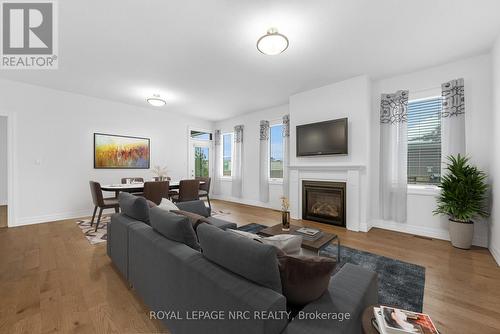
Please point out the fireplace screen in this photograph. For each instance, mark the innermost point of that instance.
(324, 202)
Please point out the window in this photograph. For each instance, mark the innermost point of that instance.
(424, 141)
(200, 135)
(276, 152)
(227, 154)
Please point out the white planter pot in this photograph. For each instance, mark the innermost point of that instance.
(461, 234)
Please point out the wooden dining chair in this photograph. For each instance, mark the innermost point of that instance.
(204, 190)
(155, 191)
(101, 202)
(188, 191)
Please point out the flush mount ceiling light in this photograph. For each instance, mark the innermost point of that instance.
(156, 101)
(272, 43)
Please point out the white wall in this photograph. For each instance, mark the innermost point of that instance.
(53, 138)
(251, 143)
(495, 173)
(349, 98)
(478, 102)
(3, 160)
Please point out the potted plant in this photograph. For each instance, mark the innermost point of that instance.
(160, 172)
(463, 197)
(285, 213)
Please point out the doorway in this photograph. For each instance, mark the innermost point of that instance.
(3, 172)
(200, 154)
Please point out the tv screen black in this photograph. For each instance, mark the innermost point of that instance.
(323, 138)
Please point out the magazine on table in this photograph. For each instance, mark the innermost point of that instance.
(308, 231)
(393, 320)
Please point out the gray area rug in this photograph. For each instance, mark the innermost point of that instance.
(401, 284)
(95, 237)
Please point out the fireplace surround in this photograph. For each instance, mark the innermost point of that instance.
(324, 201)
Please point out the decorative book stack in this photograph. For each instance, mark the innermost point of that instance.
(390, 320)
(308, 233)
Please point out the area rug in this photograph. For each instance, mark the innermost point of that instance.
(95, 237)
(401, 284)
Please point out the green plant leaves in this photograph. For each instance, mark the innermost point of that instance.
(463, 191)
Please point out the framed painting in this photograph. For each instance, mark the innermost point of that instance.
(120, 152)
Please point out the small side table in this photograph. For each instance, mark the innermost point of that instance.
(366, 321)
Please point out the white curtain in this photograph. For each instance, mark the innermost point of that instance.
(264, 162)
(286, 153)
(393, 155)
(453, 119)
(217, 162)
(236, 190)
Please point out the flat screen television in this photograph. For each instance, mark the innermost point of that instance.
(323, 138)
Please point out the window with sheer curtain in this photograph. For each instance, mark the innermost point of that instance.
(424, 141)
(227, 154)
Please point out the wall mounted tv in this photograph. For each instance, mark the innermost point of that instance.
(323, 138)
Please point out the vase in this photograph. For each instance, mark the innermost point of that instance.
(461, 233)
(285, 220)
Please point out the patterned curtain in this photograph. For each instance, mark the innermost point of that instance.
(217, 162)
(237, 172)
(453, 118)
(286, 153)
(393, 155)
(264, 162)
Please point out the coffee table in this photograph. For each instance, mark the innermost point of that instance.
(309, 247)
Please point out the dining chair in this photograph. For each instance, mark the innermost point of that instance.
(188, 191)
(155, 191)
(204, 190)
(101, 202)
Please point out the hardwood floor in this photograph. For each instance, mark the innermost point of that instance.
(3, 216)
(53, 281)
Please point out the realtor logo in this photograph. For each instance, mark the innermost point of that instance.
(29, 39)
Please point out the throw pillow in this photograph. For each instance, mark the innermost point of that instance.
(174, 227)
(168, 205)
(304, 278)
(134, 206)
(194, 218)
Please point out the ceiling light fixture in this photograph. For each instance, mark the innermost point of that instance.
(272, 43)
(156, 101)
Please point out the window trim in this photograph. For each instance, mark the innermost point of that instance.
(273, 180)
(221, 171)
(422, 188)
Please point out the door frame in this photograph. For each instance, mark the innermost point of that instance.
(11, 167)
(207, 143)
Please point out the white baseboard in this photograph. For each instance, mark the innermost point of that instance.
(50, 218)
(495, 253)
(244, 201)
(435, 233)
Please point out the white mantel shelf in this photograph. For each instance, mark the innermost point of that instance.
(329, 167)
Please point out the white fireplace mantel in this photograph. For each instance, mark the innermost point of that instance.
(346, 172)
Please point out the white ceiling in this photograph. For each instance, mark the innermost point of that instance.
(201, 54)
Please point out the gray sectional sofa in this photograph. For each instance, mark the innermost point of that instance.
(232, 286)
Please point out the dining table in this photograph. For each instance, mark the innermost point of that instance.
(135, 187)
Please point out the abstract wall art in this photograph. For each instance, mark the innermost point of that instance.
(120, 152)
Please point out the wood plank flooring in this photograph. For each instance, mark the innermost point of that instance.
(3, 216)
(53, 281)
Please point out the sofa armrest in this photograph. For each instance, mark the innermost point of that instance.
(351, 290)
(197, 207)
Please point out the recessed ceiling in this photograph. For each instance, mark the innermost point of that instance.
(201, 55)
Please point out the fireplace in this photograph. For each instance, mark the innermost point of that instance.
(324, 202)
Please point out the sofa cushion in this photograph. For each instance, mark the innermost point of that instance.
(288, 243)
(254, 261)
(194, 218)
(174, 227)
(197, 207)
(220, 223)
(304, 278)
(134, 207)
